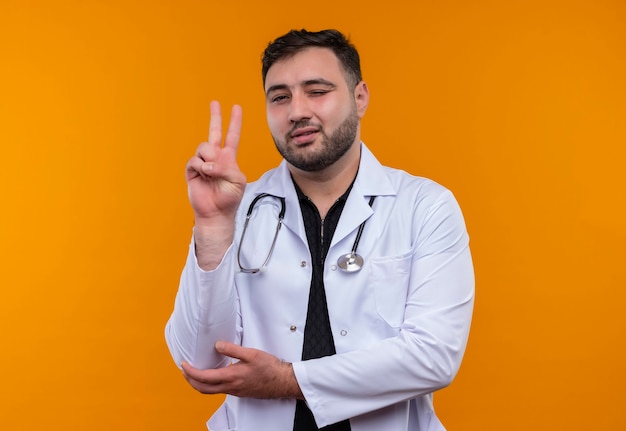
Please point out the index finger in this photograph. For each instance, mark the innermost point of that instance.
(234, 350)
(215, 125)
(206, 377)
(234, 128)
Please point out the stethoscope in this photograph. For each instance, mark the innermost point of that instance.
(350, 262)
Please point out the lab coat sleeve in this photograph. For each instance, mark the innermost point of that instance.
(426, 354)
(204, 312)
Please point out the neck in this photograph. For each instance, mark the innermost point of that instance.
(326, 186)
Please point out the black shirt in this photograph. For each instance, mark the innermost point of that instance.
(318, 337)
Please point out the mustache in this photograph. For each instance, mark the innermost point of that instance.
(301, 124)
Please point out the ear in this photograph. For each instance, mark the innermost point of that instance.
(361, 97)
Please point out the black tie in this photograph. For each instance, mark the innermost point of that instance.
(318, 337)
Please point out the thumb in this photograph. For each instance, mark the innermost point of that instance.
(230, 349)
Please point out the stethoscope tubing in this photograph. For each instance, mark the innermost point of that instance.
(351, 262)
(281, 216)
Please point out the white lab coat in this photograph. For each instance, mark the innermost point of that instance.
(400, 324)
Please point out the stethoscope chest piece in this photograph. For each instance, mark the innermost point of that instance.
(353, 262)
(350, 262)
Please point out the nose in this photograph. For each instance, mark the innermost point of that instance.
(299, 108)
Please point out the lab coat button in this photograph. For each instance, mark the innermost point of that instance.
(303, 263)
(343, 332)
(333, 268)
(293, 328)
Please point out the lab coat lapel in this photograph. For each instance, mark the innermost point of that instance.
(371, 180)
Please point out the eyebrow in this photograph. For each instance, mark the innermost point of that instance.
(308, 82)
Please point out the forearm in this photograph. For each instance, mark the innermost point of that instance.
(212, 239)
(391, 371)
(288, 387)
(424, 357)
(204, 312)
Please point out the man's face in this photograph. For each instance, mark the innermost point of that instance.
(312, 113)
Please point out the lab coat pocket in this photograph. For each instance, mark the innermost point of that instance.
(390, 280)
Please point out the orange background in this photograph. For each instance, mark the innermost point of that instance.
(519, 107)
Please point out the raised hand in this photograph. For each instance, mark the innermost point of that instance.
(215, 185)
(215, 182)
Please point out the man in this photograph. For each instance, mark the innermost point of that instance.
(349, 312)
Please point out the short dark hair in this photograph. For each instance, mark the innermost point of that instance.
(298, 40)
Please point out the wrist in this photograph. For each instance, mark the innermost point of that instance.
(292, 388)
(211, 242)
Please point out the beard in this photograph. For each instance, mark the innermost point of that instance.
(333, 147)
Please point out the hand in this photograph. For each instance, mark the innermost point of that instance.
(257, 375)
(215, 182)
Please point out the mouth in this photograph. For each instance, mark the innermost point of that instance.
(304, 135)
